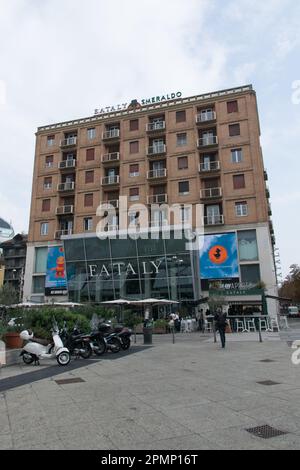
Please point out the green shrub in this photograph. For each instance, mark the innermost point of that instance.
(161, 323)
(131, 319)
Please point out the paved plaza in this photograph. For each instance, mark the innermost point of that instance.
(191, 395)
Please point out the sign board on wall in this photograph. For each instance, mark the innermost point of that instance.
(56, 283)
(219, 257)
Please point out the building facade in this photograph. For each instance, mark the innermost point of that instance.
(198, 151)
(14, 256)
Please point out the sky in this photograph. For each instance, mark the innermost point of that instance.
(61, 59)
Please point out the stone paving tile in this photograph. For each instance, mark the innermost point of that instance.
(188, 442)
(160, 426)
(124, 432)
(5, 441)
(236, 438)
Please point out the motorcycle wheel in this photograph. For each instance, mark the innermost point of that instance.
(87, 350)
(126, 343)
(101, 347)
(63, 358)
(116, 345)
(27, 358)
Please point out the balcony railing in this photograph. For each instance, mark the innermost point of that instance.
(61, 210)
(110, 157)
(66, 186)
(69, 142)
(158, 173)
(112, 228)
(213, 220)
(157, 149)
(157, 199)
(112, 134)
(67, 164)
(113, 202)
(156, 126)
(115, 179)
(206, 117)
(208, 141)
(209, 166)
(209, 193)
(61, 233)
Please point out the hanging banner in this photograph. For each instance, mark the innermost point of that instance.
(56, 283)
(219, 257)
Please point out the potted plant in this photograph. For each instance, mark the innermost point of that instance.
(160, 326)
(12, 338)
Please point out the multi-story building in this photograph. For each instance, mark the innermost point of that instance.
(203, 150)
(14, 256)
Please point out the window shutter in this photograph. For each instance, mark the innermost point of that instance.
(90, 155)
(234, 129)
(232, 107)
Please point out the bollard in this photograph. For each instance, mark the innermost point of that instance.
(173, 334)
(259, 332)
(214, 330)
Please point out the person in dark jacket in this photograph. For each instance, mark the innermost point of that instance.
(220, 325)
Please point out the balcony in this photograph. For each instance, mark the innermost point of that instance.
(61, 233)
(113, 202)
(270, 209)
(156, 127)
(70, 186)
(156, 174)
(110, 180)
(210, 220)
(62, 210)
(267, 193)
(209, 167)
(112, 134)
(69, 142)
(156, 150)
(208, 141)
(209, 116)
(157, 199)
(210, 193)
(266, 175)
(110, 157)
(112, 228)
(66, 164)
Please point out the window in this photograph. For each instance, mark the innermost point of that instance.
(186, 213)
(250, 273)
(181, 140)
(238, 181)
(88, 200)
(89, 177)
(134, 194)
(232, 107)
(48, 183)
(234, 129)
(184, 187)
(180, 116)
(134, 147)
(236, 155)
(133, 218)
(46, 204)
(38, 286)
(90, 155)
(44, 228)
(134, 125)
(241, 209)
(50, 140)
(182, 163)
(247, 242)
(41, 255)
(88, 224)
(91, 133)
(134, 170)
(49, 161)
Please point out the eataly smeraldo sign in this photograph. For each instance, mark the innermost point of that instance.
(134, 104)
(146, 268)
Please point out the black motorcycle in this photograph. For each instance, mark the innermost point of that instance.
(112, 340)
(124, 335)
(77, 343)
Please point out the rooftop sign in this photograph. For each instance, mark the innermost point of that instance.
(136, 105)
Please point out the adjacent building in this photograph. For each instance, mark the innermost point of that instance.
(200, 150)
(14, 256)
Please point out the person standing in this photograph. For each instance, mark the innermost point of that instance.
(220, 325)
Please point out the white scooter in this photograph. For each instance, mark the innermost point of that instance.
(37, 349)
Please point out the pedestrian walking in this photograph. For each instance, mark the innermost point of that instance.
(220, 319)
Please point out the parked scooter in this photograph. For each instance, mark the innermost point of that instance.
(112, 340)
(37, 349)
(78, 344)
(124, 335)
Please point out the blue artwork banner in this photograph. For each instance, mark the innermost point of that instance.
(56, 283)
(219, 256)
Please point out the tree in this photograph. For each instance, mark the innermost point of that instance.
(291, 285)
(8, 295)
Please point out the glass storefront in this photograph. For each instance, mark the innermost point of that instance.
(102, 270)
